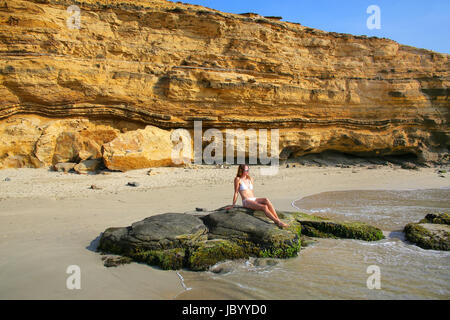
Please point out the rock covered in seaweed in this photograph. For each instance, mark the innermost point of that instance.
(432, 232)
(160, 232)
(314, 226)
(199, 240)
(254, 232)
(142, 148)
(443, 218)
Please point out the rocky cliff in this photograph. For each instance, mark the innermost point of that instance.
(149, 67)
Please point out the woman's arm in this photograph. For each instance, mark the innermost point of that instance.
(236, 192)
(236, 188)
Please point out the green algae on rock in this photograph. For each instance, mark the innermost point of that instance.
(114, 261)
(256, 233)
(198, 241)
(210, 252)
(443, 218)
(319, 227)
(432, 232)
(169, 259)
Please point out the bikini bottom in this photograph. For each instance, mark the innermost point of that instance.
(247, 199)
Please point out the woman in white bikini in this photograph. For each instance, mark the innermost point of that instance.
(243, 184)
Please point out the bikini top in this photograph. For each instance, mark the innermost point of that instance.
(244, 187)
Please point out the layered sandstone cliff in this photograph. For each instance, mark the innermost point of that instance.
(70, 94)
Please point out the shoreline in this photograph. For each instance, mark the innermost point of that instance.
(46, 183)
(43, 233)
(394, 189)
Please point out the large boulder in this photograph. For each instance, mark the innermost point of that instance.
(142, 148)
(160, 232)
(198, 240)
(432, 232)
(72, 140)
(29, 141)
(254, 232)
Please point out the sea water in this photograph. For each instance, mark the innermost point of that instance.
(338, 268)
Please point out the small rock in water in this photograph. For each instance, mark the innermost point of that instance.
(265, 262)
(200, 209)
(221, 269)
(7, 179)
(133, 184)
(432, 232)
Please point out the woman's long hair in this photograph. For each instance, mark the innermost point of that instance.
(241, 170)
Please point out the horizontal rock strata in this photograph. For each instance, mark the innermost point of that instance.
(168, 64)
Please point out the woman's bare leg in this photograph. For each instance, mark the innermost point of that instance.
(257, 206)
(269, 205)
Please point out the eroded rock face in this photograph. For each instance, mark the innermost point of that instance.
(17, 143)
(71, 140)
(37, 142)
(323, 90)
(28, 141)
(432, 232)
(142, 148)
(200, 240)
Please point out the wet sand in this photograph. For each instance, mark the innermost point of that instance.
(50, 220)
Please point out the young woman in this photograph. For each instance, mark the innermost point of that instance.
(243, 184)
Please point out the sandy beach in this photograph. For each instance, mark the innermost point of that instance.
(50, 220)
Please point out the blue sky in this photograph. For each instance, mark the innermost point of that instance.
(422, 24)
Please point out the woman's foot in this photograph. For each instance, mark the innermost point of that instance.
(281, 224)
